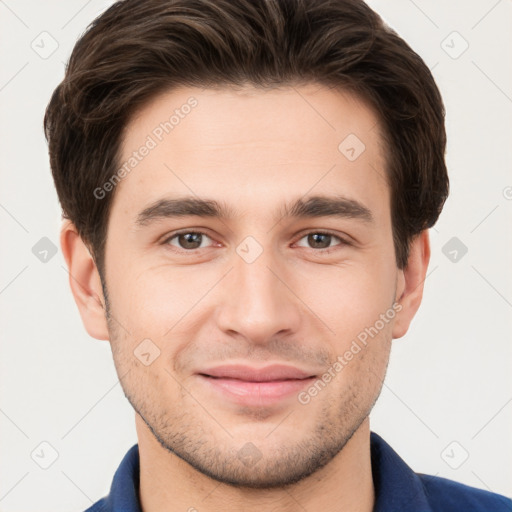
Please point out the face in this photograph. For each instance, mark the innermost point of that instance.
(251, 333)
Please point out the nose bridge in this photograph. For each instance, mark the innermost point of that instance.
(257, 280)
(257, 303)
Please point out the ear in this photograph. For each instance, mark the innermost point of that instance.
(410, 280)
(84, 280)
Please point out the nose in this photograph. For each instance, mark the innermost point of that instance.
(259, 301)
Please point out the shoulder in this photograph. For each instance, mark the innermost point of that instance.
(445, 495)
(99, 506)
(399, 488)
(123, 495)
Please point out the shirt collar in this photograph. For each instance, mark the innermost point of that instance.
(396, 486)
(124, 492)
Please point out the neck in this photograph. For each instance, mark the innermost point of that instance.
(169, 484)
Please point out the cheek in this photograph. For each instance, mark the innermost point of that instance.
(155, 299)
(349, 298)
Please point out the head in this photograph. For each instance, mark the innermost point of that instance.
(247, 182)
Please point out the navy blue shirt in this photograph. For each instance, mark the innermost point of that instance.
(397, 488)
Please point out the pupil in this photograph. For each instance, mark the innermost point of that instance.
(314, 239)
(189, 240)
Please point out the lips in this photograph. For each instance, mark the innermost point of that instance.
(273, 385)
(245, 373)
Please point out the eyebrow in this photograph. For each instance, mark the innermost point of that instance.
(315, 206)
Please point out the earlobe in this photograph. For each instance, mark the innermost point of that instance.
(84, 281)
(410, 283)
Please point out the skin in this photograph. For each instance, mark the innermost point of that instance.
(254, 150)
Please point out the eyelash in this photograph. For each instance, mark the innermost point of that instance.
(326, 250)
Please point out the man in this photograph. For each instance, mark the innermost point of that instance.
(248, 187)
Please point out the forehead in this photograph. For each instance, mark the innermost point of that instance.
(252, 145)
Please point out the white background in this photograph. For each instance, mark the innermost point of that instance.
(449, 378)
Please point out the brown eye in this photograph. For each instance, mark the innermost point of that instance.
(320, 240)
(189, 240)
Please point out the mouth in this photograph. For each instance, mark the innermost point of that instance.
(250, 386)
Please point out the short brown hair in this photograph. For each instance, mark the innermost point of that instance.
(137, 49)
